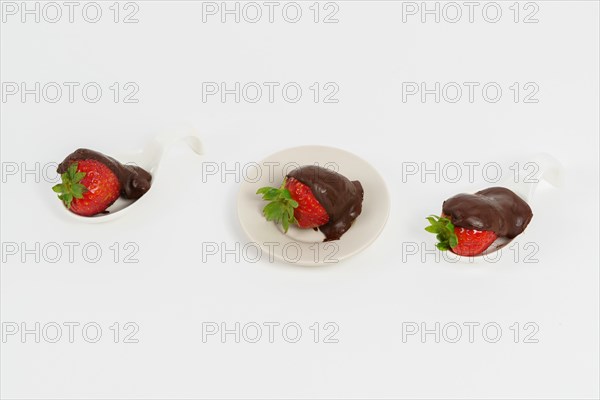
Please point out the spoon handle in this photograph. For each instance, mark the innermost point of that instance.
(187, 134)
(542, 167)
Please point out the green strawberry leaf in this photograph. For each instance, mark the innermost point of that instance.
(442, 246)
(268, 193)
(264, 190)
(281, 207)
(453, 240)
(70, 187)
(78, 176)
(444, 231)
(72, 170)
(285, 221)
(77, 190)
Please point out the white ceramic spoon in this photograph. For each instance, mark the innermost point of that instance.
(530, 174)
(149, 159)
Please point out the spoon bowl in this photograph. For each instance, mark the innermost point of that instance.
(524, 184)
(149, 158)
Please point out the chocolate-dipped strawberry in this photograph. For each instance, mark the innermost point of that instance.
(92, 181)
(314, 197)
(470, 223)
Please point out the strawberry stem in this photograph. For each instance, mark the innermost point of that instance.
(70, 188)
(281, 205)
(444, 230)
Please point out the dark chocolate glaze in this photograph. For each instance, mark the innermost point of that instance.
(135, 181)
(495, 209)
(341, 198)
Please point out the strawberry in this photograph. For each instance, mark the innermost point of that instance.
(309, 213)
(462, 241)
(88, 187)
(291, 203)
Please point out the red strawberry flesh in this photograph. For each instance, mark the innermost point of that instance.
(472, 242)
(309, 213)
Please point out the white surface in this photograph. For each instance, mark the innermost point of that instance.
(171, 292)
(306, 246)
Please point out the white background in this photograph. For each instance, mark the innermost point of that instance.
(169, 53)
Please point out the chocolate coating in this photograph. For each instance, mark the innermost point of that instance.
(135, 181)
(341, 198)
(495, 209)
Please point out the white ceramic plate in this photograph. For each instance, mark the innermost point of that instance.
(306, 246)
